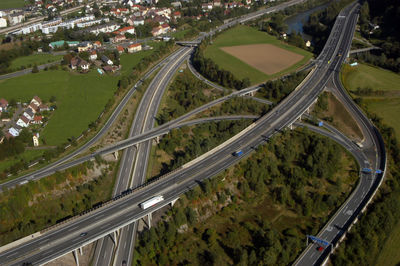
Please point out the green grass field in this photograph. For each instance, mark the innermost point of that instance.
(80, 99)
(386, 106)
(30, 60)
(129, 61)
(243, 35)
(26, 156)
(11, 3)
(390, 255)
(367, 76)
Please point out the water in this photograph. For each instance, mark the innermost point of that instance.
(295, 22)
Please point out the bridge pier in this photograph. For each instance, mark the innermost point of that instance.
(81, 251)
(116, 155)
(157, 139)
(75, 254)
(173, 202)
(149, 218)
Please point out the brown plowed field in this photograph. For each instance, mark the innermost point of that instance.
(267, 58)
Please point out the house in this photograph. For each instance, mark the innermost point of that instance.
(106, 28)
(106, 60)
(33, 108)
(110, 69)
(136, 47)
(3, 23)
(97, 44)
(129, 29)
(217, 3)
(36, 101)
(93, 55)
(176, 4)
(79, 63)
(43, 107)
(16, 18)
(157, 31)
(120, 49)
(176, 15)
(37, 120)
(22, 122)
(135, 21)
(35, 139)
(165, 28)
(119, 38)
(207, 6)
(13, 132)
(29, 114)
(84, 46)
(3, 105)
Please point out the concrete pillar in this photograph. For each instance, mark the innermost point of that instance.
(80, 251)
(173, 202)
(76, 257)
(291, 126)
(149, 217)
(158, 139)
(116, 155)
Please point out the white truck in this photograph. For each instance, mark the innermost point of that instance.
(151, 202)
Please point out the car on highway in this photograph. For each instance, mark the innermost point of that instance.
(83, 234)
(238, 153)
(124, 263)
(320, 248)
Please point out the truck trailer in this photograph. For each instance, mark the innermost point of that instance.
(151, 202)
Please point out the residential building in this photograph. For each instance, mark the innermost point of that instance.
(176, 15)
(106, 60)
(119, 38)
(93, 55)
(106, 28)
(135, 21)
(3, 23)
(176, 4)
(37, 120)
(35, 139)
(43, 107)
(29, 114)
(120, 49)
(97, 44)
(136, 47)
(36, 100)
(13, 132)
(84, 46)
(129, 29)
(3, 105)
(22, 122)
(79, 63)
(16, 18)
(34, 108)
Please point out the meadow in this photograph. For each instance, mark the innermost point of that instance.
(244, 35)
(30, 60)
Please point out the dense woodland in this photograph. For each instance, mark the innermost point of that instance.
(185, 94)
(297, 177)
(40, 204)
(385, 14)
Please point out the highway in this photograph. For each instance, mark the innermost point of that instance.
(374, 158)
(144, 115)
(125, 210)
(52, 167)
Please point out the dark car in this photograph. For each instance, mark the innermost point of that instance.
(124, 263)
(83, 234)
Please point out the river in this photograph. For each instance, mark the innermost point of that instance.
(295, 22)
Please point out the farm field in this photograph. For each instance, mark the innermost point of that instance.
(26, 156)
(244, 35)
(387, 105)
(389, 255)
(30, 60)
(276, 60)
(4, 4)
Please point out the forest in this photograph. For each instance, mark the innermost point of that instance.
(257, 212)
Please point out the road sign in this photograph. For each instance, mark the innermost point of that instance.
(367, 170)
(318, 240)
(321, 124)
(378, 171)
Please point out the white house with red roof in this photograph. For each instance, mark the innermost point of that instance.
(136, 47)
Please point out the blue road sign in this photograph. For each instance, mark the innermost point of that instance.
(319, 240)
(379, 171)
(367, 170)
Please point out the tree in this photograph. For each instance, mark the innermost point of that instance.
(35, 69)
